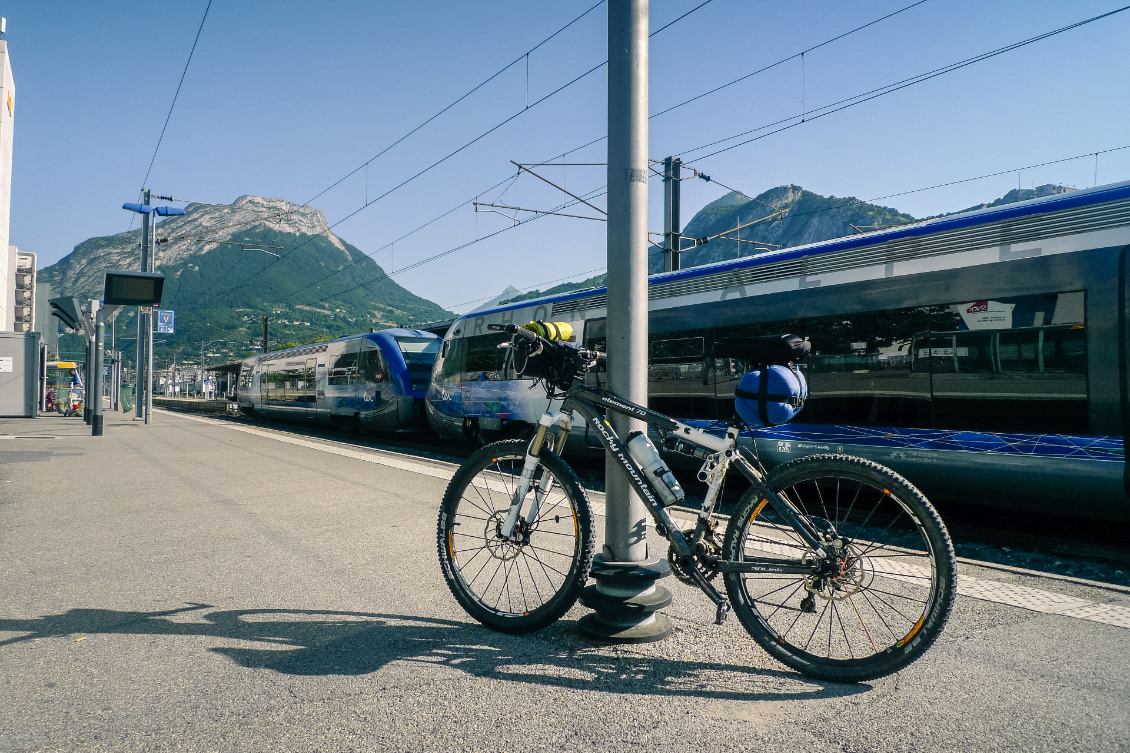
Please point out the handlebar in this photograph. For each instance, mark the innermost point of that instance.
(532, 338)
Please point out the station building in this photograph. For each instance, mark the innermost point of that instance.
(8, 255)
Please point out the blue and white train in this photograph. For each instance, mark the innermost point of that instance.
(983, 355)
(375, 381)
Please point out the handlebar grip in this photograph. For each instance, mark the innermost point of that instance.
(520, 333)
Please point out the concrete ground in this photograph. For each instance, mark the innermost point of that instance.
(201, 586)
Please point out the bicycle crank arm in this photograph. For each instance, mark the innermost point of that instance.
(721, 603)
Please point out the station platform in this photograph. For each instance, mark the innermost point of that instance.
(203, 585)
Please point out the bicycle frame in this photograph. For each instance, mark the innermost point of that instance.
(725, 451)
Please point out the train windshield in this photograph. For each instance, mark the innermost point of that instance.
(419, 350)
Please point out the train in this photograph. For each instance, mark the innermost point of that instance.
(375, 381)
(983, 355)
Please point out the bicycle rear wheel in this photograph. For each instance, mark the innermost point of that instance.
(893, 583)
(524, 583)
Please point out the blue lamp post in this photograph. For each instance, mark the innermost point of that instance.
(145, 344)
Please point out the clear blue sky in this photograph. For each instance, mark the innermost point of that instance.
(282, 98)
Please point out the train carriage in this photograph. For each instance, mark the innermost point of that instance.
(983, 355)
(376, 381)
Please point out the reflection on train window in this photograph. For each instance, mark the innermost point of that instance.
(1013, 364)
(373, 366)
(485, 361)
(454, 358)
(419, 349)
(677, 375)
(419, 356)
(596, 338)
(344, 369)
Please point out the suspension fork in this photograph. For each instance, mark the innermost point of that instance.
(529, 467)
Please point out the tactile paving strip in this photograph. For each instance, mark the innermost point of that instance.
(1022, 597)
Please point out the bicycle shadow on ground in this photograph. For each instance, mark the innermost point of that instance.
(323, 643)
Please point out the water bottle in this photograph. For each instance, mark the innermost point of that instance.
(643, 452)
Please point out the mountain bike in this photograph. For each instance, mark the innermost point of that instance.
(837, 566)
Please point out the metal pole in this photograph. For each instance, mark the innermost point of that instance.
(627, 255)
(95, 388)
(115, 365)
(625, 596)
(139, 372)
(264, 334)
(88, 378)
(149, 341)
(672, 224)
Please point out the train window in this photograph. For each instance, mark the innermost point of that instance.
(485, 361)
(678, 379)
(596, 338)
(453, 360)
(419, 350)
(343, 368)
(419, 356)
(372, 364)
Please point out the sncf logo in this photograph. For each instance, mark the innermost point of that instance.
(977, 307)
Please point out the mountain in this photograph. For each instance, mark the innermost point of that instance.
(805, 217)
(228, 266)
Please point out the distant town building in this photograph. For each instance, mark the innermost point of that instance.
(7, 255)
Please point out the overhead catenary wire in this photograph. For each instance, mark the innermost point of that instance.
(172, 105)
(867, 96)
(449, 155)
(524, 56)
(852, 202)
(448, 252)
(531, 288)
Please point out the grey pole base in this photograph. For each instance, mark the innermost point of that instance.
(96, 426)
(626, 601)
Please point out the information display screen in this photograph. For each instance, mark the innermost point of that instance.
(133, 288)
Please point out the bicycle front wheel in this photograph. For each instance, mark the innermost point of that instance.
(524, 582)
(880, 603)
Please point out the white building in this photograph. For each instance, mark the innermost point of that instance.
(7, 118)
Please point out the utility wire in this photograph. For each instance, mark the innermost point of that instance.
(794, 56)
(858, 99)
(174, 103)
(785, 60)
(861, 201)
(448, 156)
(449, 251)
(533, 287)
(520, 58)
(412, 232)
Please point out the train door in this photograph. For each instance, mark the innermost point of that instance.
(309, 399)
(320, 387)
(264, 386)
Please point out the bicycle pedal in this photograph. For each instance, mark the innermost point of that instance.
(722, 613)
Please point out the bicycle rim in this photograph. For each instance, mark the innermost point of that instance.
(892, 588)
(530, 580)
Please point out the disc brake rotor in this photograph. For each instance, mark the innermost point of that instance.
(499, 548)
(850, 576)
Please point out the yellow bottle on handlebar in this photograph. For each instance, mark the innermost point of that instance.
(560, 331)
